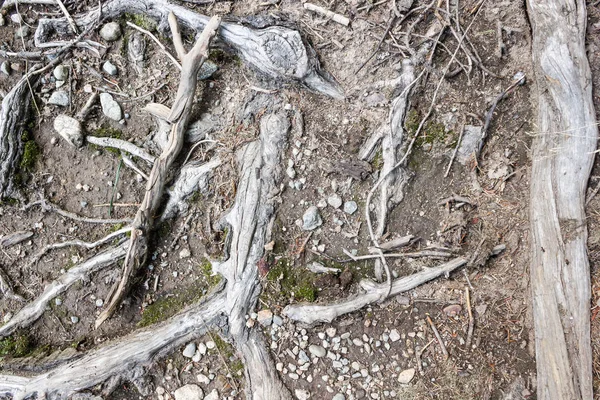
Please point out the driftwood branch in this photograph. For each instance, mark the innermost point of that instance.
(32, 311)
(373, 293)
(561, 165)
(178, 117)
(125, 358)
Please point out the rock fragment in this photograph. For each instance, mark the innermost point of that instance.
(189, 392)
(110, 107)
(311, 219)
(69, 129)
(59, 98)
(110, 32)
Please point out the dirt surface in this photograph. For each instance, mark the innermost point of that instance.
(368, 349)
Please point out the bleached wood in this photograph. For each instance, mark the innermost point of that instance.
(561, 165)
(372, 293)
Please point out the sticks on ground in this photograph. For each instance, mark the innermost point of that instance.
(310, 314)
(178, 117)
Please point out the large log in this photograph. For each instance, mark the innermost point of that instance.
(560, 275)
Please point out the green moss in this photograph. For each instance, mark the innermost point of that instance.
(31, 153)
(294, 282)
(142, 21)
(412, 121)
(168, 306)
(207, 272)
(15, 346)
(107, 131)
(377, 162)
(236, 367)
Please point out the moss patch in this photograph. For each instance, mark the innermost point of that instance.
(169, 305)
(207, 272)
(293, 282)
(107, 131)
(142, 21)
(15, 346)
(31, 153)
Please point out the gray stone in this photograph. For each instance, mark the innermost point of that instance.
(5, 68)
(350, 207)
(203, 379)
(311, 219)
(16, 18)
(214, 395)
(109, 68)
(334, 201)
(74, 319)
(22, 32)
(302, 394)
(69, 129)
(61, 73)
(339, 396)
(303, 357)
(207, 70)
(99, 302)
(394, 335)
(189, 350)
(317, 351)
(406, 376)
(265, 317)
(469, 143)
(189, 392)
(59, 98)
(110, 32)
(110, 107)
(277, 320)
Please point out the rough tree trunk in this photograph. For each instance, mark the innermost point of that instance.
(560, 275)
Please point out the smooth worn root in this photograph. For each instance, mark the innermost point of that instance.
(278, 52)
(178, 116)
(373, 293)
(125, 358)
(32, 311)
(561, 166)
(249, 224)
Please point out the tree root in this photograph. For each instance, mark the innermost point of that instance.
(32, 311)
(311, 314)
(277, 52)
(178, 116)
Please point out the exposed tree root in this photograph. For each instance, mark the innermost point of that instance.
(123, 359)
(277, 52)
(561, 165)
(178, 116)
(36, 308)
(310, 314)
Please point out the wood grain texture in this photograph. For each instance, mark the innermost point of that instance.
(562, 161)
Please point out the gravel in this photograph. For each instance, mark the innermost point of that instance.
(311, 219)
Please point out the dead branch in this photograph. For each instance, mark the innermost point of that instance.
(178, 117)
(49, 207)
(32, 311)
(7, 289)
(340, 19)
(124, 358)
(310, 314)
(121, 145)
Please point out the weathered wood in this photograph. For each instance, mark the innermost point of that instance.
(249, 222)
(179, 114)
(14, 113)
(124, 358)
(277, 52)
(560, 274)
(310, 314)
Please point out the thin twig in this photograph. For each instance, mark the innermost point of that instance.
(423, 253)
(155, 39)
(438, 337)
(46, 206)
(462, 131)
(67, 15)
(418, 355)
(471, 321)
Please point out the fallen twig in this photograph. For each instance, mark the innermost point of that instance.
(47, 206)
(121, 145)
(438, 337)
(471, 321)
(340, 19)
(7, 289)
(160, 45)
